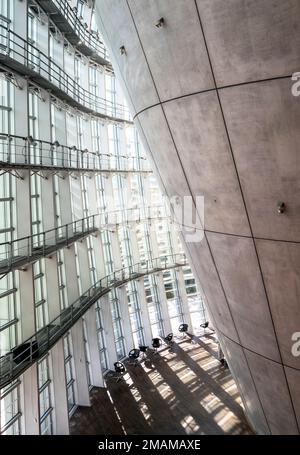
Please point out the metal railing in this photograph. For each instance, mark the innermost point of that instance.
(26, 54)
(24, 355)
(84, 35)
(29, 152)
(21, 252)
(134, 215)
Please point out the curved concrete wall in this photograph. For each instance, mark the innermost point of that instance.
(211, 94)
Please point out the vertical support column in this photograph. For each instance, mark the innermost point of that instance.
(104, 131)
(109, 332)
(116, 254)
(30, 401)
(84, 73)
(87, 133)
(164, 303)
(184, 300)
(53, 297)
(101, 83)
(83, 260)
(123, 151)
(116, 251)
(29, 389)
(144, 310)
(47, 204)
(71, 274)
(181, 283)
(61, 425)
(124, 309)
(27, 310)
(23, 209)
(58, 53)
(98, 247)
(65, 199)
(155, 254)
(59, 132)
(90, 319)
(23, 217)
(141, 295)
(85, 278)
(161, 287)
(20, 25)
(64, 185)
(43, 34)
(208, 314)
(69, 63)
(82, 387)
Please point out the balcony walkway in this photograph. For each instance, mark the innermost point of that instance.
(31, 350)
(68, 23)
(19, 253)
(17, 152)
(26, 59)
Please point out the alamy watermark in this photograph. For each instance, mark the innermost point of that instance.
(184, 213)
(296, 344)
(296, 85)
(188, 216)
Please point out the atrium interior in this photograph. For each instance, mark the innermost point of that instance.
(140, 265)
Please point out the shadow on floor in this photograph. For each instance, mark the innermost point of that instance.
(183, 390)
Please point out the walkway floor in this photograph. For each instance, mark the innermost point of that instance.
(180, 391)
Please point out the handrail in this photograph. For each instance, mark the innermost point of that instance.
(24, 355)
(132, 215)
(29, 152)
(22, 251)
(84, 35)
(17, 253)
(25, 53)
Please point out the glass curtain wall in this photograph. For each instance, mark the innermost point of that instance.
(10, 413)
(113, 145)
(101, 337)
(45, 397)
(170, 278)
(9, 311)
(195, 300)
(118, 330)
(69, 371)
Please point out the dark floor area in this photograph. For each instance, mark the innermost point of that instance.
(180, 391)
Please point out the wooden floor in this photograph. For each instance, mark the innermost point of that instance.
(182, 391)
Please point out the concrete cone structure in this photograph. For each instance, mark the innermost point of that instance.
(210, 89)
